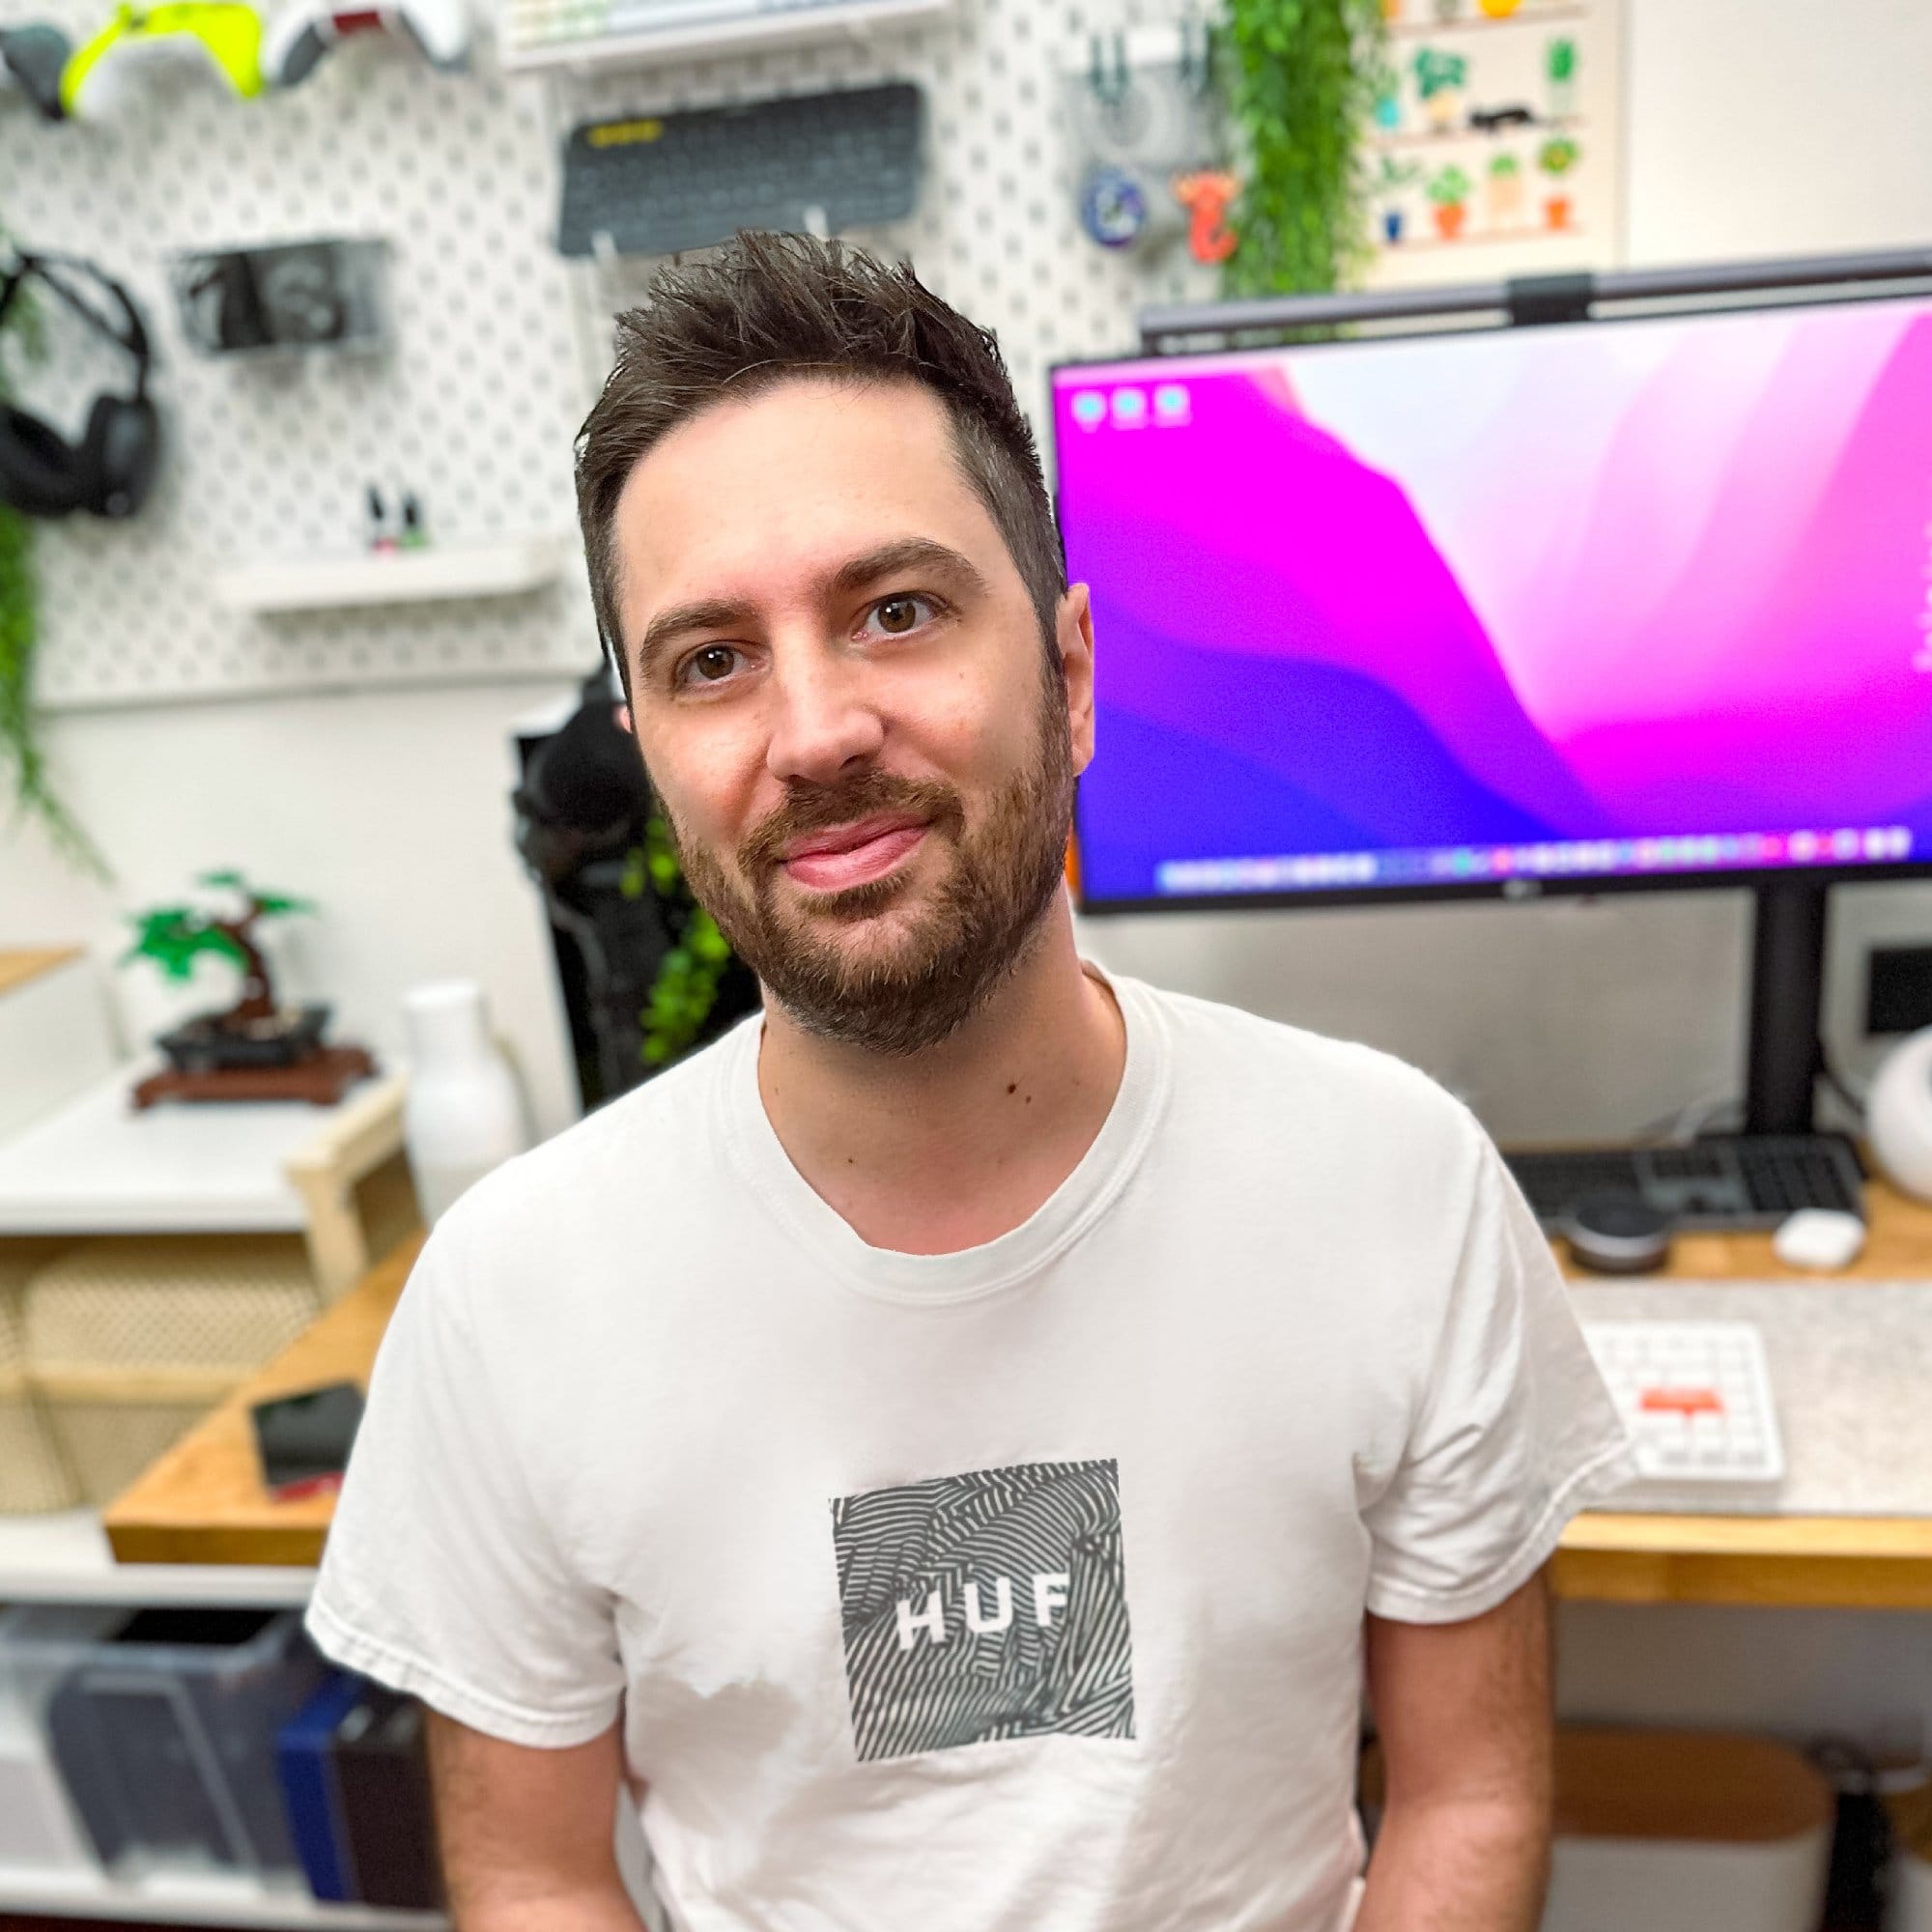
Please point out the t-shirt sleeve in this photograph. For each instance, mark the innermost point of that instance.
(1514, 1433)
(441, 1578)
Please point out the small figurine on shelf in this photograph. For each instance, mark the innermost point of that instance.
(1449, 190)
(1559, 69)
(1556, 157)
(1439, 79)
(1503, 190)
(1393, 179)
(1208, 195)
(257, 1048)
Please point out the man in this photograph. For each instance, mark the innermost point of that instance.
(954, 1448)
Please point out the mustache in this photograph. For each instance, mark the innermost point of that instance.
(808, 809)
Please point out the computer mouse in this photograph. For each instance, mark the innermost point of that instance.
(1617, 1233)
(1820, 1238)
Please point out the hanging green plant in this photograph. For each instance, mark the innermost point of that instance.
(685, 988)
(1303, 78)
(22, 762)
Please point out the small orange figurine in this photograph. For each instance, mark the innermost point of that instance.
(1206, 197)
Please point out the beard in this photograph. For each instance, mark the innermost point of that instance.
(953, 950)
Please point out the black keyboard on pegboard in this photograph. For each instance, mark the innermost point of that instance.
(822, 164)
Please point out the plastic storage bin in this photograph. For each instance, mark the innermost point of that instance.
(161, 1724)
(38, 1832)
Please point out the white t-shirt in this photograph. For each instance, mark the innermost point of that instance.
(1012, 1590)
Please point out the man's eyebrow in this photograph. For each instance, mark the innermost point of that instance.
(722, 613)
(709, 613)
(907, 554)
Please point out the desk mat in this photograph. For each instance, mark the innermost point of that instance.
(1851, 1370)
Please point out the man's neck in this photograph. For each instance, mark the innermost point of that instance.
(953, 1146)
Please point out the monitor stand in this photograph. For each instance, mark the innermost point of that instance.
(1787, 982)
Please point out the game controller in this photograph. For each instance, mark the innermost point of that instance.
(307, 29)
(218, 38)
(32, 61)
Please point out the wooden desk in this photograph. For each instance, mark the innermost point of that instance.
(203, 1502)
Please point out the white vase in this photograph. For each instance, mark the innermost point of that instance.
(1898, 1116)
(464, 1113)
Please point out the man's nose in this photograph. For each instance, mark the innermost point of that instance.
(823, 723)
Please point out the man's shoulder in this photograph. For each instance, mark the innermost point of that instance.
(1223, 1043)
(1265, 1091)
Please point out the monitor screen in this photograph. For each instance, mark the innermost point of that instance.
(1627, 602)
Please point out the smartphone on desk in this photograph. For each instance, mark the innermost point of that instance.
(304, 1439)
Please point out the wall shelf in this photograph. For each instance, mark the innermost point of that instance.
(525, 47)
(442, 573)
(64, 1558)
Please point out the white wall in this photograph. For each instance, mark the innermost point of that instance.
(390, 811)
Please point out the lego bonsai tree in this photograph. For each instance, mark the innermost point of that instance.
(256, 1029)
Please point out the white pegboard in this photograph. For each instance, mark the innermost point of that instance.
(498, 342)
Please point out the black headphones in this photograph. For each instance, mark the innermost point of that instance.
(110, 469)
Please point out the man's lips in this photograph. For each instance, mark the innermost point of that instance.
(852, 855)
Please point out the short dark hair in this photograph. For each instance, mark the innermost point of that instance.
(768, 307)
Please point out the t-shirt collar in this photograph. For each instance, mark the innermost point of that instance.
(777, 1187)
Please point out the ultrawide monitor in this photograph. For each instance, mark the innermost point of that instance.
(1631, 603)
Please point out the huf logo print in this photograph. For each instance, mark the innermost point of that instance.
(986, 1606)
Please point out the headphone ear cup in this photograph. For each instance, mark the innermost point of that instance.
(119, 455)
(41, 472)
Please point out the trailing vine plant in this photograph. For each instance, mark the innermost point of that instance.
(23, 767)
(1302, 78)
(685, 988)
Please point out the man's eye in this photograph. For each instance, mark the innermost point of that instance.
(898, 617)
(709, 664)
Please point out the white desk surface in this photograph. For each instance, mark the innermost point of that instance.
(1851, 1373)
(95, 1166)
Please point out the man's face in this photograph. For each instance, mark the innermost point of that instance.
(839, 690)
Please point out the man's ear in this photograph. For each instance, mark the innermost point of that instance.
(1073, 627)
(622, 714)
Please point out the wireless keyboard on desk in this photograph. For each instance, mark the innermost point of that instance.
(1723, 1182)
(657, 183)
(1696, 1399)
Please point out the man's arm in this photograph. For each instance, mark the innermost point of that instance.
(1464, 1717)
(529, 1836)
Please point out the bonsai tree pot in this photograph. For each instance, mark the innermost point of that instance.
(212, 1042)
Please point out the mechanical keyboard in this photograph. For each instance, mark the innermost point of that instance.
(1696, 1399)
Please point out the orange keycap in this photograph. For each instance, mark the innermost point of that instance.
(1686, 1401)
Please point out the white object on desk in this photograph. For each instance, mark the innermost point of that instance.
(1820, 1238)
(465, 1114)
(1899, 1114)
(1696, 1399)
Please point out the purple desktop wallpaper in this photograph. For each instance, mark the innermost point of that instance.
(1657, 593)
